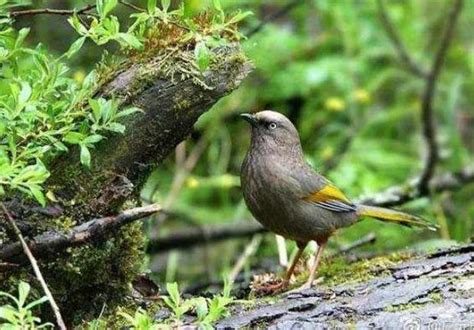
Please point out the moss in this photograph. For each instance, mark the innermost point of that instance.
(338, 270)
(97, 274)
(402, 307)
(436, 297)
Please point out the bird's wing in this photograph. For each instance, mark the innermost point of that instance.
(329, 197)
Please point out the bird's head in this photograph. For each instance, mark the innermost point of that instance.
(273, 130)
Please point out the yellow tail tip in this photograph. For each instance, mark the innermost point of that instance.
(399, 217)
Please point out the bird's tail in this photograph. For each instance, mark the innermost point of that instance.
(388, 215)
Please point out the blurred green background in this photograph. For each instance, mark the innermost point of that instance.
(330, 67)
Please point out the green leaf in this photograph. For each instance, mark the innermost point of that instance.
(202, 56)
(217, 5)
(85, 156)
(73, 137)
(96, 109)
(77, 25)
(3, 128)
(126, 112)
(75, 47)
(22, 34)
(40, 301)
(90, 80)
(165, 4)
(25, 93)
(151, 6)
(130, 40)
(37, 194)
(173, 291)
(239, 16)
(116, 127)
(8, 313)
(201, 307)
(23, 291)
(92, 139)
(109, 5)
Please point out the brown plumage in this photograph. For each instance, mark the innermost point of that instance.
(289, 198)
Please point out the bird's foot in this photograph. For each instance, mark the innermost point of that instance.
(306, 286)
(268, 285)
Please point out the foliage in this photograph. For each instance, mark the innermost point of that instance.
(20, 315)
(139, 321)
(207, 310)
(48, 112)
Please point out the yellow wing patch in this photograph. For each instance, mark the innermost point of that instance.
(328, 193)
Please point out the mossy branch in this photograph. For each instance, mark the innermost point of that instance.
(170, 108)
(50, 244)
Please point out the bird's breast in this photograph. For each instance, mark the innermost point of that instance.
(266, 193)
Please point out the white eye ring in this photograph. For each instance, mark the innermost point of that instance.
(272, 126)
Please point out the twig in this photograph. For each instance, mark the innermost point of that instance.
(131, 5)
(249, 251)
(370, 238)
(282, 252)
(429, 128)
(67, 12)
(183, 168)
(190, 237)
(50, 244)
(408, 62)
(285, 9)
(399, 195)
(7, 265)
(50, 11)
(183, 172)
(36, 269)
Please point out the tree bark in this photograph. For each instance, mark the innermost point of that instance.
(434, 291)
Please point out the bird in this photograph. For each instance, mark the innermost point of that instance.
(288, 197)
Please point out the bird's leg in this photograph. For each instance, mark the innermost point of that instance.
(314, 267)
(292, 267)
(272, 288)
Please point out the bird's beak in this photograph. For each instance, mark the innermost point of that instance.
(250, 118)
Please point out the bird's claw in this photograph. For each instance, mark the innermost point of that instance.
(306, 286)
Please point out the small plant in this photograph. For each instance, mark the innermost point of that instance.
(19, 315)
(216, 308)
(208, 310)
(175, 303)
(140, 320)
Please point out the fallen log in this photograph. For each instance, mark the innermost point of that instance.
(430, 291)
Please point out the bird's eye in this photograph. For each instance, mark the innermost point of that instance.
(272, 126)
